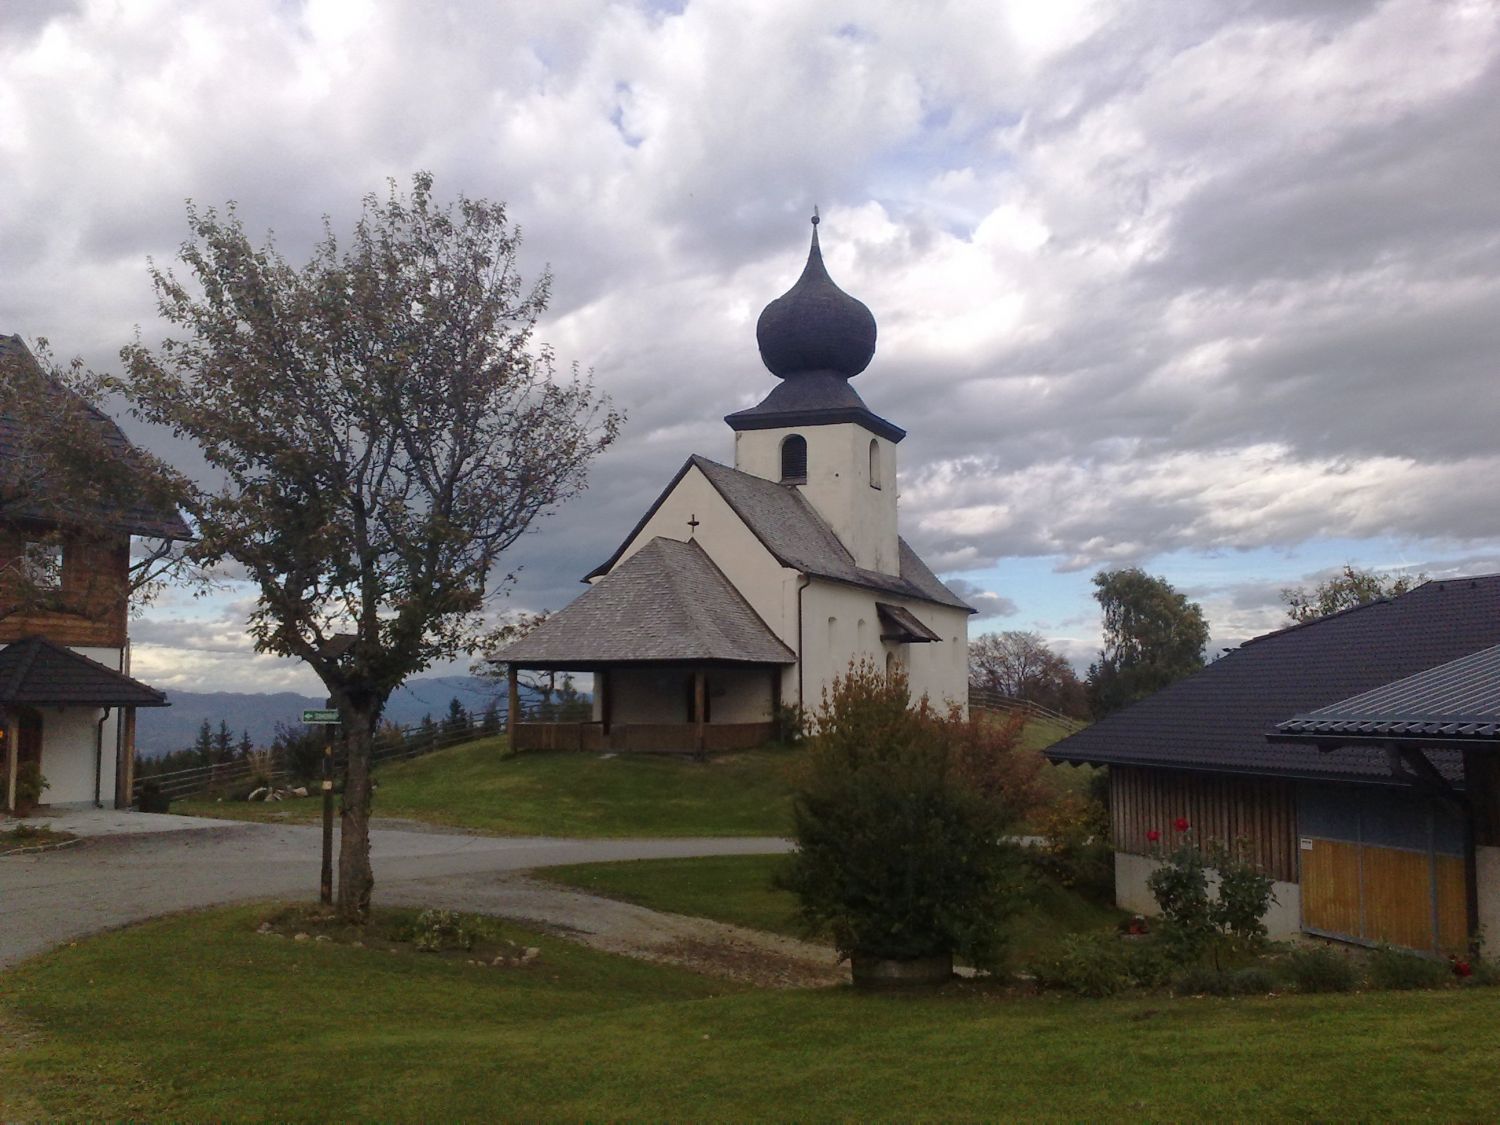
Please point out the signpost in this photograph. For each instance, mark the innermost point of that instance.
(326, 716)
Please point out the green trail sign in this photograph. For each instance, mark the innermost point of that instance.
(321, 716)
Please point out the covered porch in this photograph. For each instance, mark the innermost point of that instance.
(681, 662)
(660, 708)
(69, 720)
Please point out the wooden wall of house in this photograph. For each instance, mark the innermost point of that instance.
(1225, 807)
(91, 607)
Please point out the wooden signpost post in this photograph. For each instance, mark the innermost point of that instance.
(326, 717)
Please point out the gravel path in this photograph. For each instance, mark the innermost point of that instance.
(113, 880)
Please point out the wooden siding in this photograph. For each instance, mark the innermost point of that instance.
(91, 606)
(1261, 812)
(1384, 895)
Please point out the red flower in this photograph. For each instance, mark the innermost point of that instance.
(1181, 824)
(1462, 968)
(1153, 835)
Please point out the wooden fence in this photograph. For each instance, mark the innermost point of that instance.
(390, 746)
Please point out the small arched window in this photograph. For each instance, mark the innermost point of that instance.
(874, 463)
(794, 459)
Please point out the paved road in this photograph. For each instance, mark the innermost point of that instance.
(112, 880)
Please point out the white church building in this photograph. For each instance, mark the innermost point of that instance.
(742, 590)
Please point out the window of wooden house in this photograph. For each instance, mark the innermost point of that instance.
(794, 459)
(42, 563)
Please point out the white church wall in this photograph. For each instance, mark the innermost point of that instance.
(841, 625)
(769, 587)
(838, 484)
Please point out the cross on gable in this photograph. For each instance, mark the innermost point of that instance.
(693, 525)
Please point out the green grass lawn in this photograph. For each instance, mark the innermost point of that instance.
(480, 786)
(198, 1017)
(737, 889)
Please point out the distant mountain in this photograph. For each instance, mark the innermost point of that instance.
(160, 730)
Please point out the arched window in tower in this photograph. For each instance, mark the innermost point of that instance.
(794, 459)
(874, 463)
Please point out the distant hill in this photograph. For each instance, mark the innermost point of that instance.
(160, 730)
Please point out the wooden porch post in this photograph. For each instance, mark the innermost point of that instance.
(12, 751)
(513, 705)
(700, 701)
(601, 686)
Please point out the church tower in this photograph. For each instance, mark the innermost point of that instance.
(813, 432)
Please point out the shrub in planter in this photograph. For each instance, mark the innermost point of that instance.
(152, 799)
(901, 820)
(29, 786)
(1320, 970)
(1399, 969)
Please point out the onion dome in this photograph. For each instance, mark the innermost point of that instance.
(815, 327)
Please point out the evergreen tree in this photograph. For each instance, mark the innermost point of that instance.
(203, 745)
(457, 721)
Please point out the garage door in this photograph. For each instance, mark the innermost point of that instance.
(1381, 866)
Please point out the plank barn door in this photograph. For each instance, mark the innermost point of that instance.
(1381, 866)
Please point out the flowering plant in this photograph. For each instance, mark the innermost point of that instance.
(1198, 921)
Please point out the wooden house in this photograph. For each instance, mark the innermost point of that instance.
(1374, 837)
(67, 700)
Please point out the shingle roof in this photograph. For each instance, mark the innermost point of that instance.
(39, 672)
(791, 529)
(1218, 718)
(140, 519)
(668, 602)
(1455, 702)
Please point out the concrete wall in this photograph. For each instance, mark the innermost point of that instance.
(838, 484)
(1488, 862)
(1283, 920)
(68, 747)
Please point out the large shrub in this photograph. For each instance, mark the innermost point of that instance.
(901, 824)
(1197, 921)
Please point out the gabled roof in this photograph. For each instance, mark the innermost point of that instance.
(139, 519)
(667, 603)
(797, 537)
(1217, 719)
(1455, 702)
(36, 671)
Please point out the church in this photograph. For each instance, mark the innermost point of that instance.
(742, 591)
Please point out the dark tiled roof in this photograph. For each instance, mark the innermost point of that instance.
(140, 519)
(668, 602)
(897, 623)
(1455, 702)
(812, 400)
(1218, 718)
(815, 326)
(36, 671)
(789, 527)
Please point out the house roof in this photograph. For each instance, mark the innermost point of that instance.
(1454, 702)
(139, 519)
(1217, 719)
(797, 537)
(667, 603)
(37, 671)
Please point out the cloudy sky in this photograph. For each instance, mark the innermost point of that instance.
(1213, 288)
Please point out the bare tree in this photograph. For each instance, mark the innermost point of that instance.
(1019, 664)
(383, 427)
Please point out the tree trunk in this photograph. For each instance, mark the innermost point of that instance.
(356, 879)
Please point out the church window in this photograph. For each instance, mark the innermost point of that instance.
(794, 459)
(874, 463)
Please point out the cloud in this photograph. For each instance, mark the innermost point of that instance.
(987, 602)
(1148, 280)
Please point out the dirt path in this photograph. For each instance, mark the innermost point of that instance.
(750, 956)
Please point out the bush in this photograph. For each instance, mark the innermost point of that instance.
(1399, 969)
(1075, 850)
(1084, 964)
(901, 828)
(436, 930)
(1196, 922)
(1320, 970)
(1205, 981)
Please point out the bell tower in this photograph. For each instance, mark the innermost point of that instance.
(813, 432)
